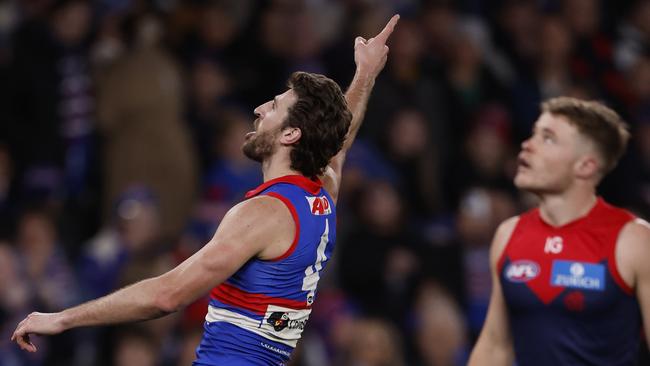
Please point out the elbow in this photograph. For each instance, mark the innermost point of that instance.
(167, 301)
(166, 305)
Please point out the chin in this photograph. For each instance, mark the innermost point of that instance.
(524, 184)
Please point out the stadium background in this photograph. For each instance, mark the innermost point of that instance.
(121, 123)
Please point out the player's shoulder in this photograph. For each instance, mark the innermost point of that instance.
(636, 233)
(633, 246)
(502, 236)
(262, 211)
(506, 228)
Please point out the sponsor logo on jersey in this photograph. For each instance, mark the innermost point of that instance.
(280, 320)
(586, 276)
(319, 205)
(522, 271)
(553, 245)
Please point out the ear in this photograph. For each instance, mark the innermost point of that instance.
(290, 135)
(587, 166)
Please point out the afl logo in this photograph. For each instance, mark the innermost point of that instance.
(521, 271)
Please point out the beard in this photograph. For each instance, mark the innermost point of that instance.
(260, 146)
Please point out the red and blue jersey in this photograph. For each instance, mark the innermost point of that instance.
(257, 316)
(566, 301)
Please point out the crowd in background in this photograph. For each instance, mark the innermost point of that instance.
(121, 123)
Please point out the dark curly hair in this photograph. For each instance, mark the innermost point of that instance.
(322, 115)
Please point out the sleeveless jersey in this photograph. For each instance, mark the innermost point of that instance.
(257, 316)
(566, 301)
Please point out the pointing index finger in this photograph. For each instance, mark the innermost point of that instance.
(388, 29)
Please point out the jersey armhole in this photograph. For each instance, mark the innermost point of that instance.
(502, 257)
(296, 221)
(613, 266)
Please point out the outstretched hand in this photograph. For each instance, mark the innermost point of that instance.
(370, 55)
(36, 324)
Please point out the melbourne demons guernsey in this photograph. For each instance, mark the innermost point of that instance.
(257, 316)
(566, 301)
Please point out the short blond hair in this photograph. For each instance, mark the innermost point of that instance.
(594, 120)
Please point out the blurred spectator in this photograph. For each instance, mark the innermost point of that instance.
(593, 54)
(328, 339)
(408, 147)
(44, 263)
(551, 77)
(486, 158)
(7, 199)
(209, 86)
(52, 113)
(516, 24)
(480, 212)
(135, 347)
(469, 82)
(15, 296)
(140, 107)
(634, 32)
(384, 281)
(50, 279)
(231, 174)
(134, 233)
(375, 343)
(189, 341)
(440, 330)
(409, 82)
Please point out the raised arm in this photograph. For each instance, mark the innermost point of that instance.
(261, 226)
(494, 345)
(370, 57)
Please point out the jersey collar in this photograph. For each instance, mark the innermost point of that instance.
(311, 186)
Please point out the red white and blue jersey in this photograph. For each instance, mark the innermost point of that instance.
(566, 301)
(257, 316)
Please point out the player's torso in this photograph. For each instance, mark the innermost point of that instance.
(567, 303)
(260, 312)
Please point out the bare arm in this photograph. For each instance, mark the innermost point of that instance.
(370, 57)
(494, 345)
(260, 226)
(633, 252)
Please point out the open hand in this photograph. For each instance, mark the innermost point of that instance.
(36, 323)
(370, 55)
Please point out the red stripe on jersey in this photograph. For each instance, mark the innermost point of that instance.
(255, 303)
(311, 186)
(296, 236)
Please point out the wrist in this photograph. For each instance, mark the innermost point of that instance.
(62, 321)
(364, 78)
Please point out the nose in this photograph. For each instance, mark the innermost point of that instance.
(526, 144)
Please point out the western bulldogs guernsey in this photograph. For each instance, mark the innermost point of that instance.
(567, 303)
(257, 316)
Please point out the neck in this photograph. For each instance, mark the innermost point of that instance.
(560, 209)
(276, 167)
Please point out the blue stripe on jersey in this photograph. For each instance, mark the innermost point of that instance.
(225, 344)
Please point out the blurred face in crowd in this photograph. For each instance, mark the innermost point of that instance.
(133, 350)
(381, 206)
(71, 23)
(553, 158)
(138, 223)
(582, 16)
(36, 233)
(555, 40)
(262, 143)
(374, 344)
(408, 134)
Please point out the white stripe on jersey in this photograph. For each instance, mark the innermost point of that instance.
(289, 322)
